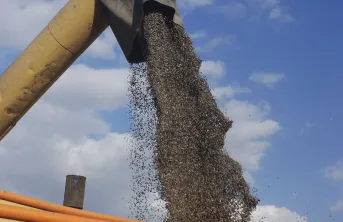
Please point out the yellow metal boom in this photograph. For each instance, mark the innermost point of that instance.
(64, 39)
(50, 54)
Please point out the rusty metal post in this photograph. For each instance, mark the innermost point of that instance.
(74, 193)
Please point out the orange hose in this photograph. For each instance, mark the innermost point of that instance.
(44, 205)
(31, 215)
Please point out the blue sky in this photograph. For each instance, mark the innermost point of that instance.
(307, 52)
(274, 66)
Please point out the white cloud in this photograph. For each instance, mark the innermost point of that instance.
(57, 138)
(276, 10)
(227, 92)
(22, 20)
(249, 178)
(194, 3)
(271, 213)
(234, 10)
(280, 14)
(212, 68)
(103, 47)
(338, 206)
(197, 35)
(263, 4)
(83, 87)
(66, 122)
(275, 13)
(247, 141)
(66, 117)
(212, 44)
(30, 17)
(335, 172)
(89, 156)
(268, 79)
(308, 124)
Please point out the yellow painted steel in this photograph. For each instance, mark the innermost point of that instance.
(47, 57)
(11, 204)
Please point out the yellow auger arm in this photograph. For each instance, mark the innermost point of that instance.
(63, 40)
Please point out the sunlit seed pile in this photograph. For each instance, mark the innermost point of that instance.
(180, 128)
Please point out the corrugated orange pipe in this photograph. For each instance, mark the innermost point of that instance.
(33, 215)
(44, 205)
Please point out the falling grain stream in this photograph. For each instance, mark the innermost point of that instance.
(179, 133)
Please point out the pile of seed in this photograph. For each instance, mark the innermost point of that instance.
(177, 124)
